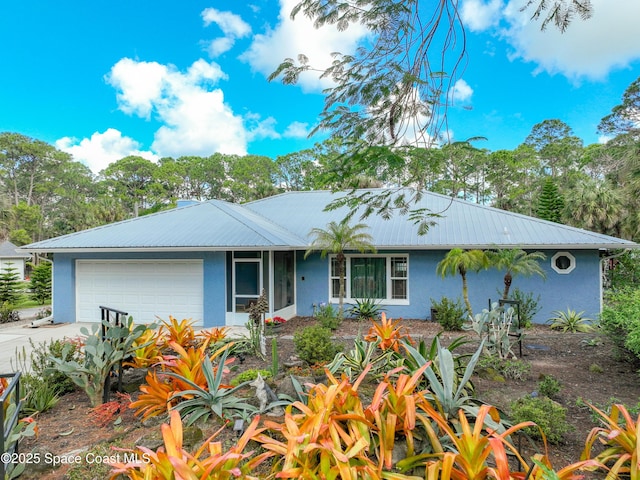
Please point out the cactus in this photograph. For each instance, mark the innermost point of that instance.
(101, 355)
(274, 357)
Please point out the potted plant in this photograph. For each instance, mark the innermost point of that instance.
(274, 325)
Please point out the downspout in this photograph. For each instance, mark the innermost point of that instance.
(602, 273)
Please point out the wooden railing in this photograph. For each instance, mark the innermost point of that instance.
(111, 316)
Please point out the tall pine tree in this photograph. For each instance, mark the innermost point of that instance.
(9, 284)
(551, 202)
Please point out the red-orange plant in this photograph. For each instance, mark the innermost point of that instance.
(388, 332)
(172, 461)
(181, 332)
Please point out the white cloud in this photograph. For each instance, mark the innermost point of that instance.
(102, 149)
(478, 15)
(462, 92)
(196, 120)
(592, 48)
(297, 130)
(259, 129)
(291, 38)
(232, 27)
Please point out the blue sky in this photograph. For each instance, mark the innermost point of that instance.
(106, 79)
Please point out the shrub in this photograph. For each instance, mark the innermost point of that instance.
(249, 375)
(450, 314)
(328, 317)
(314, 345)
(529, 306)
(8, 314)
(549, 416)
(620, 320)
(549, 386)
(512, 369)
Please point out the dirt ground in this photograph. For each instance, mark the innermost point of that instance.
(585, 364)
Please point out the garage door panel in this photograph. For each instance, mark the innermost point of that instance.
(145, 289)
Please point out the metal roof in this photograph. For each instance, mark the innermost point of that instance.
(212, 225)
(463, 224)
(284, 221)
(9, 250)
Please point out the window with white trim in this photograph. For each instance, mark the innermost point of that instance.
(378, 277)
(563, 262)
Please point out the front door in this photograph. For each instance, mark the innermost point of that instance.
(247, 283)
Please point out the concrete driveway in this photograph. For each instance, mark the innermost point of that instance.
(15, 336)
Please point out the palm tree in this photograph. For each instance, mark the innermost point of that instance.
(516, 262)
(459, 261)
(337, 238)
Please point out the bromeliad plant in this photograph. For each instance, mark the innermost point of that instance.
(180, 332)
(388, 334)
(180, 372)
(329, 438)
(364, 354)
(621, 442)
(209, 462)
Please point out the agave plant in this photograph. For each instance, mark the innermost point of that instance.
(449, 391)
(363, 354)
(217, 398)
(570, 321)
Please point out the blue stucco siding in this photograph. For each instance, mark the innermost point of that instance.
(64, 281)
(578, 290)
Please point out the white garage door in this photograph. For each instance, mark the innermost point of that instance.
(144, 289)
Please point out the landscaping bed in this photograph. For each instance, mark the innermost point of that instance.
(584, 364)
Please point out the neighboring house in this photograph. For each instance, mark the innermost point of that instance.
(11, 257)
(208, 261)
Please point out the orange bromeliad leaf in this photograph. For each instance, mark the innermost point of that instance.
(154, 399)
(388, 333)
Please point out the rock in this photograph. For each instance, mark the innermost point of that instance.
(151, 440)
(293, 361)
(285, 386)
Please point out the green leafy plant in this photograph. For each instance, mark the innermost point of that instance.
(364, 354)
(39, 395)
(8, 314)
(199, 403)
(620, 320)
(328, 317)
(249, 375)
(549, 416)
(274, 357)
(513, 369)
(450, 315)
(529, 306)
(365, 309)
(101, 355)
(40, 282)
(549, 386)
(570, 321)
(314, 345)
